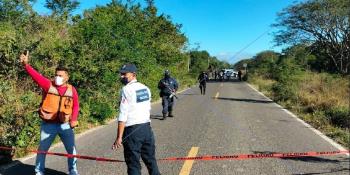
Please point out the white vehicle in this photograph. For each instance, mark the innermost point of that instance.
(229, 73)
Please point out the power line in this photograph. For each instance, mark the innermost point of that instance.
(251, 43)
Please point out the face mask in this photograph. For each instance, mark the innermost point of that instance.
(124, 81)
(58, 80)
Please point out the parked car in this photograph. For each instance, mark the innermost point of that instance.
(230, 73)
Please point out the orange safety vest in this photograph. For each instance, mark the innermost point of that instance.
(54, 105)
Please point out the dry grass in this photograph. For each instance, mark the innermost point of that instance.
(321, 91)
(262, 84)
(317, 93)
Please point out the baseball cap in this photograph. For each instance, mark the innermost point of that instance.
(128, 68)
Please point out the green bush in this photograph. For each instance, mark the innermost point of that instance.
(245, 77)
(284, 91)
(339, 116)
(100, 111)
(19, 120)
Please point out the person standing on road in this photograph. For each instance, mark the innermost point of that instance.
(221, 75)
(202, 79)
(167, 86)
(215, 75)
(134, 129)
(240, 75)
(59, 113)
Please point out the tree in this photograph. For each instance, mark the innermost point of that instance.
(239, 65)
(13, 11)
(303, 56)
(199, 61)
(325, 24)
(62, 8)
(266, 56)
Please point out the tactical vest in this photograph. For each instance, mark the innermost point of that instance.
(54, 105)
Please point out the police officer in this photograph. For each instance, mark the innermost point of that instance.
(167, 86)
(240, 75)
(202, 78)
(134, 129)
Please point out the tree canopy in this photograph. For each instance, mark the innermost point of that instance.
(324, 25)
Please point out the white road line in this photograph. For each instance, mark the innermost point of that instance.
(317, 132)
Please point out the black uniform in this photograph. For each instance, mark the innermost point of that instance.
(202, 78)
(167, 86)
(240, 75)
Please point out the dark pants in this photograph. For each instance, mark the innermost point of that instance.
(167, 104)
(202, 86)
(139, 141)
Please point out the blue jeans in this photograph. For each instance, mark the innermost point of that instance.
(48, 133)
(139, 142)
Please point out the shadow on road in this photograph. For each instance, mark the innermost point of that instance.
(21, 169)
(310, 159)
(285, 121)
(154, 116)
(189, 94)
(328, 172)
(224, 80)
(244, 100)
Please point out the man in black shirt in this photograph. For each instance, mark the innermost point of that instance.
(202, 78)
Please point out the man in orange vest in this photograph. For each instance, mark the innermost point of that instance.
(59, 113)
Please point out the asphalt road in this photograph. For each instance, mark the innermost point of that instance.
(231, 118)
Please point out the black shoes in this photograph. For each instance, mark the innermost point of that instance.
(170, 114)
(164, 117)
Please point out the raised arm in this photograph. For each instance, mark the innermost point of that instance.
(42, 81)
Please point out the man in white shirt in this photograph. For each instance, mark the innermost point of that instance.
(134, 129)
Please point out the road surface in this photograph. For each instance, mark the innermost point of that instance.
(231, 118)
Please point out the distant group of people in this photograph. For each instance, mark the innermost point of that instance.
(222, 75)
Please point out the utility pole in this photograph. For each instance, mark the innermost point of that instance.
(188, 63)
(208, 63)
(245, 65)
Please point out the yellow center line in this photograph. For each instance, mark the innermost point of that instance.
(216, 95)
(222, 84)
(186, 168)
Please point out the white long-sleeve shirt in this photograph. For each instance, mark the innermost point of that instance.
(135, 105)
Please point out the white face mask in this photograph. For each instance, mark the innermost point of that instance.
(58, 80)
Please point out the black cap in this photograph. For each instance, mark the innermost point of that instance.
(128, 68)
(166, 72)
